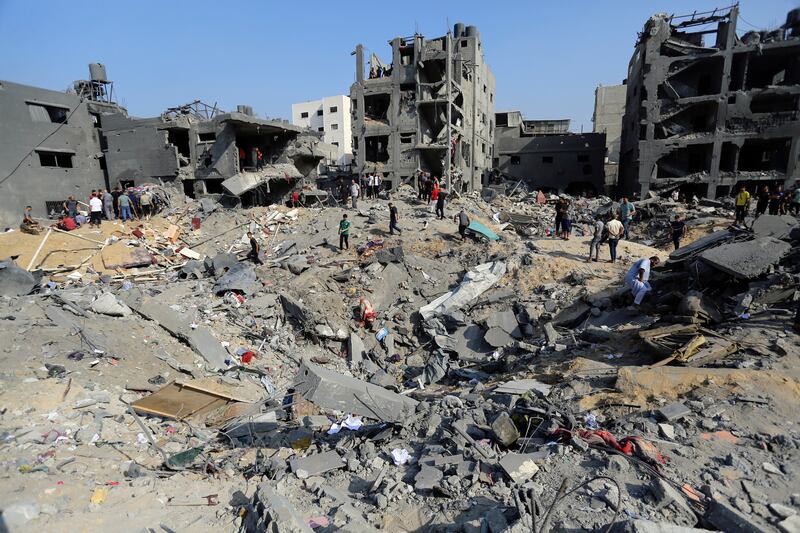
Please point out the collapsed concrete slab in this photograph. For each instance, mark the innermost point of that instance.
(319, 463)
(475, 282)
(199, 339)
(274, 512)
(238, 278)
(15, 280)
(331, 390)
(778, 226)
(520, 467)
(747, 260)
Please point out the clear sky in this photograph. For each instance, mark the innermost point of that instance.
(547, 56)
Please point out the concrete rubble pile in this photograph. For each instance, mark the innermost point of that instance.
(497, 386)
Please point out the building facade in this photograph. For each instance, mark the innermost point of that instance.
(545, 155)
(434, 100)
(609, 108)
(331, 117)
(707, 110)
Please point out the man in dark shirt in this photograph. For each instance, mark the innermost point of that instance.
(71, 207)
(440, 204)
(763, 201)
(393, 218)
(255, 250)
(559, 215)
(678, 230)
(463, 223)
(115, 194)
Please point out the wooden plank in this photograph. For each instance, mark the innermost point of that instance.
(182, 400)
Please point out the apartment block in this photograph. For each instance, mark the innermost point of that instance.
(331, 117)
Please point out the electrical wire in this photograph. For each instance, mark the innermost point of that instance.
(39, 144)
(562, 494)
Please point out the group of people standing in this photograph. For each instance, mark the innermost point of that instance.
(774, 201)
(111, 205)
(371, 185)
(612, 231)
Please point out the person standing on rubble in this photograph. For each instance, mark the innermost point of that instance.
(115, 194)
(598, 231)
(559, 215)
(626, 212)
(124, 202)
(763, 201)
(566, 220)
(463, 223)
(678, 230)
(108, 205)
(742, 203)
(255, 250)
(614, 230)
(259, 159)
(71, 206)
(638, 278)
(355, 190)
(393, 218)
(440, 198)
(95, 210)
(421, 185)
(146, 202)
(344, 233)
(777, 201)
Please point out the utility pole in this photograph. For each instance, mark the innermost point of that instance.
(449, 109)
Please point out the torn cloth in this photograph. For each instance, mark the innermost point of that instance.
(633, 446)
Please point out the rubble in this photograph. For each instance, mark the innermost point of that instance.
(499, 383)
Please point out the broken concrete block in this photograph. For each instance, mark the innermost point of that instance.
(475, 282)
(239, 278)
(521, 386)
(355, 349)
(725, 518)
(107, 304)
(506, 321)
(274, 512)
(747, 260)
(790, 524)
(665, 494)
(674, 411)
(520, 467)
(646, 526)
(318, 463)
(332, 390)
(505, 431)
(497, 338)
(550, 333)
(427, 478)
(667, 431)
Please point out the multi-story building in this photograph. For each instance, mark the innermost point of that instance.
(707, 110)
(609, 108)
(545, 155)
(331, 117)
(434, 100)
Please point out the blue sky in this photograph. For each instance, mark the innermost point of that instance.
(547, 57)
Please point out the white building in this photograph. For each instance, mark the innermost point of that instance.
(331, 116)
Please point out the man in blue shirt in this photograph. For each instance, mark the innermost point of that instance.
(626, 212)
(638, 278)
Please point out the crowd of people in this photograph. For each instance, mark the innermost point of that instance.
(117, 204)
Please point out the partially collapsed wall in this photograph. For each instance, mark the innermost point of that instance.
(707, 110)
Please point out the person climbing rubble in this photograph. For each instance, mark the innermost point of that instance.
(638, 278)
(463, 223)
(255, 250)
(677, 230)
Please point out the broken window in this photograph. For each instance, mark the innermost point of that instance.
(773, 103)
(765, 154)
(209, 136)
(491, 97)
(464, 43)
(355, 143)
(180, 139)
(320, 129)
(335, 143)
(484, 88)
(334, 126)
(304, 114)
(502, 119)
(319, 112)
(55, 159)
(547, 159)
(406, 138)
(48, 113)
(376, 106)
(334, 109)
(483, 148)
(515, 160)
(377, 148)
(96, 121)
(773, 67)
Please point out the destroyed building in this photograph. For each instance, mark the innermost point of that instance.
(407, 117)
(544, 154)
(55, 144)
(707, 109)
(609, 108)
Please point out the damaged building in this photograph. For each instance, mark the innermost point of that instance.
(55, 144)
(545, 155)
(707, 109)
(433, 101)
(609, 108)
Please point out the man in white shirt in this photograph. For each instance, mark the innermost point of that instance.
(638, 277)
(354, 192)
(615, 230)
(95, 210)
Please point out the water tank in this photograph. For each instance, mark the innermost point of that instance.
(245, 110)
(472, 31)
(458, 30)
(97, 72)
